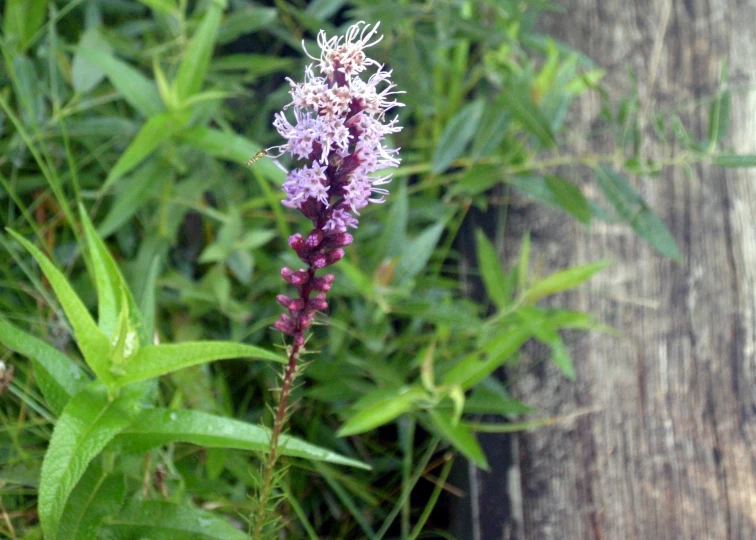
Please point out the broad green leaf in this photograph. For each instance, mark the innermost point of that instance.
(733, 161)
(631, 208)
(85, 74)
(493, 276)
(460, 438)
(140, 92)
(58, 376)
(92, 342)
(193, 68)
(154, 132)
(393, 405)
(473, 369)
(160, 427)
(156, 360)
(563, 281)
(416, 253)
(569, 198)
(96, 496)
(88, 423)
(163, 520)
(457, 135)
(520, 105)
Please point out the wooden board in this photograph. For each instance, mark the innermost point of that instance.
(671, 451)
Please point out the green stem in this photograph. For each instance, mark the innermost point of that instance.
(278, 425)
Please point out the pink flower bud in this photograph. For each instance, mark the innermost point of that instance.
(334, 256)
(284, 300)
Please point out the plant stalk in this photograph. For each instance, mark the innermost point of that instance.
(280, 418)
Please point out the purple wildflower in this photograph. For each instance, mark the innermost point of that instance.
(339, 133)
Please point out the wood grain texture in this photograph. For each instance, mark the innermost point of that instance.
(671, 452)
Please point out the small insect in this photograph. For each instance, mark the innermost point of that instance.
(258, 156)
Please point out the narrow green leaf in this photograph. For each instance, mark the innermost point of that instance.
(493, 276)
(147, 301)
(393, 405)
(140, 92)
(164, 6)
(476, 180)
(561, 357)
(88, 423)
(162, 520)
(569, 198)
(154, 132)
(537, 322)
(245, 21)
(346, 499)
(523, 262)
(460, 438)
(160, 427)
(457, 135)
(58, 376)
(416, 253)
(563, 281)
(490, 397)
(91, 340)
(361, 281)
(473, 369)
(85, 74)
(22, 19)
(631, 208)
(519, 104)
(490, 133)
(133, 193)
(733, 161)
(156, 360)
(193, 68)
(96, 496)
(228, 146)
(111, 286)
(719, 113)
(108, 280)
(394, 235)
(253, 65)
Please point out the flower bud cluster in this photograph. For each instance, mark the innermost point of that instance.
(338, 132)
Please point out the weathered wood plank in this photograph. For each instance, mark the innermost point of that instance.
(671, 452)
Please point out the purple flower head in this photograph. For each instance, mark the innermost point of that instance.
(338, 140)
(338, 132)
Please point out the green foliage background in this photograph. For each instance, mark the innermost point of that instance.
(124, 130)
